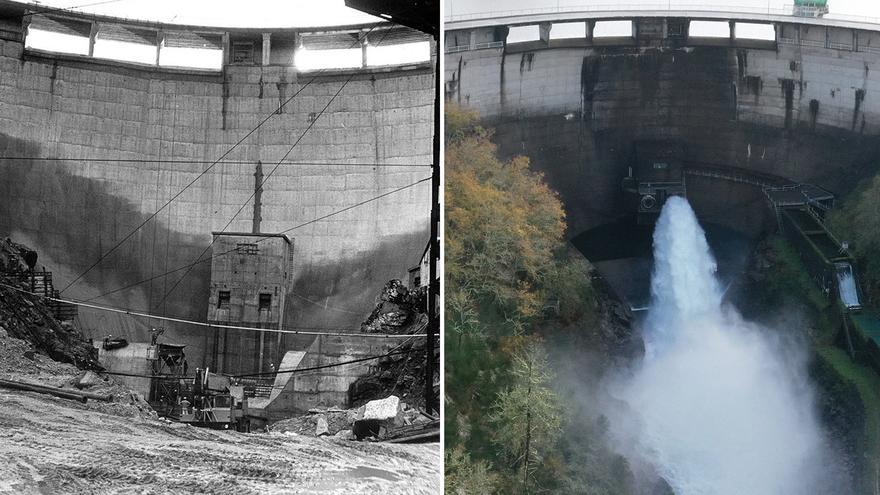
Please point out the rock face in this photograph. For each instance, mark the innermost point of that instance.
(400, 374)
(615, 323)
(29, 318)
(398, 310)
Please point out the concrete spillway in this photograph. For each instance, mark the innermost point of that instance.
(846, 286)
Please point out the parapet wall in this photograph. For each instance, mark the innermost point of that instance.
(173, 124)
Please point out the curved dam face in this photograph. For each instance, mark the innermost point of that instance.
(72, 211)
(802, 107)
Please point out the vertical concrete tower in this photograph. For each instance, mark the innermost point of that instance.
(250, 277)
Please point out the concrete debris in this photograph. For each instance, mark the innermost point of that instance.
(344, 435)
(385, 419)
(89, 379)
(401, 374)
(388, 409)
(321, 427)
(401, 311)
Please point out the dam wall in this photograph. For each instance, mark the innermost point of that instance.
(803, 106)
(171, 124)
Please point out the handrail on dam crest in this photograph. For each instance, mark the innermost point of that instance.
(670, 8)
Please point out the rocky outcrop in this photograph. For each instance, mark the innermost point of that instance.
(398, 310)
(401, 311)
(401, 374)
(29, 317)
(615, 323)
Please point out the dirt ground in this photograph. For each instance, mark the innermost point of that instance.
(53, 445)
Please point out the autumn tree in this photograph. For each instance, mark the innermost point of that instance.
(508, 271)
(504, 225)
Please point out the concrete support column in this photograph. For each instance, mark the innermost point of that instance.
(855, 40)
(544, 31)
(827, 38)
(267, 48)
(732, 31)
(364, 43)
(160, 42)
(227, 49)
(591, 25)
(93, 35)
(472, 39)
(25, 26)
(297, 44)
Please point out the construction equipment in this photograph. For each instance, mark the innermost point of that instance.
(200, 405)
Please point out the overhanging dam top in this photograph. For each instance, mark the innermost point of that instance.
(623, 11)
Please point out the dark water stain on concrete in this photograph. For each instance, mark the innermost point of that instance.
(73, 220)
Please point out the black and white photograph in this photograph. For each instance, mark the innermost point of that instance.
(219, 227)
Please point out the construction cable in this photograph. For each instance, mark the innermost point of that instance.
(268, 176)
(202, 162)
(205, 171)
(279, 372)
(205, 260)
(209, 325)
(68, 9)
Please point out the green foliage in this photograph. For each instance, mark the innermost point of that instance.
(848, 394)
(508, 269)
(857, 221)
(504, 226)
(467, 477)
(527, 417)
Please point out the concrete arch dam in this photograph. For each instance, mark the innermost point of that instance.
(803, 104)
(172, 123)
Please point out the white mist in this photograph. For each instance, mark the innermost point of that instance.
(717, 408)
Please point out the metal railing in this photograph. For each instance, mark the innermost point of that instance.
(478, 46)
(670, 6)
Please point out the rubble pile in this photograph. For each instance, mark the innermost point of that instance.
(19, 362)
(384, 419)
(402, 374)
(36, 348)
(398, 310)
(29, 318)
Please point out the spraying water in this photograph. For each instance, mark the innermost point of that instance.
(718, 410)
(846, 284)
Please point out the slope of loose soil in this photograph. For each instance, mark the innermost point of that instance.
(52, 445)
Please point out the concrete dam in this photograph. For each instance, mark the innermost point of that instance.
(92, 147)
(797, 106)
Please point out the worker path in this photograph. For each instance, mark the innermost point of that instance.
(54, 447)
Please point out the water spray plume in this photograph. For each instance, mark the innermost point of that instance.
(718, 408)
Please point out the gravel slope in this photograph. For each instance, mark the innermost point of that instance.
(51, 445)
